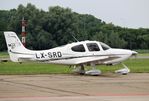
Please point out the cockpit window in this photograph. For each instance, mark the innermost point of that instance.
(78, 48)
(104, 46)
(92, 47)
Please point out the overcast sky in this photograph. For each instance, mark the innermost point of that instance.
(125, 13)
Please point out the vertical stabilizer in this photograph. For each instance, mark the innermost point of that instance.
(14, 45)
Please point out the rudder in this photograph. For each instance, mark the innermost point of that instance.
(14, 45)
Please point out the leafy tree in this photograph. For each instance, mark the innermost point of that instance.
(58, 26)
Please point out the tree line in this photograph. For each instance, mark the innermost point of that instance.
(58, 26)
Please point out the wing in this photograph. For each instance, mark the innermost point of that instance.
(82, 60)
(97, 60)
(90, 59)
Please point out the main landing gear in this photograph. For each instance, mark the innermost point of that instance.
(93, 71)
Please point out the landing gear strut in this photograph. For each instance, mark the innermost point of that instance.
(79, 69)
(82, 70)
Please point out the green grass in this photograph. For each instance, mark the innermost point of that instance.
(136, 66)
(142, 51)
(4, 54)
(143, 54)
(31, 68)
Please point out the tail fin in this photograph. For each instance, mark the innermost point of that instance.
(14, 45)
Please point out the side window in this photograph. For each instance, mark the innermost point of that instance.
(92, 47)
(78, 48)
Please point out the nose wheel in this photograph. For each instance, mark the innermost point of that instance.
(123, 71)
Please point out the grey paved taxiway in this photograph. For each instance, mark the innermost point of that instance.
(60, 87)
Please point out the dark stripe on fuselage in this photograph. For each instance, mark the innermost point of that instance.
(21, 53)
(66, 58)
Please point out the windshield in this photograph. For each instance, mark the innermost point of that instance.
(104, 46)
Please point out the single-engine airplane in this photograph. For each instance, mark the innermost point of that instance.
(77, 54)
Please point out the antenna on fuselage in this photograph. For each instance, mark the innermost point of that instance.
(74, 38)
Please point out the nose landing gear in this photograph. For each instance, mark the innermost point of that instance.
(123, 71)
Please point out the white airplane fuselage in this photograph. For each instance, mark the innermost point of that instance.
(77, 53)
